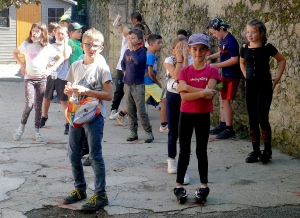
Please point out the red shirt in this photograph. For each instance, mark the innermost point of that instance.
(198, 79)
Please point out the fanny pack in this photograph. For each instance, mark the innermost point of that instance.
(81, 112)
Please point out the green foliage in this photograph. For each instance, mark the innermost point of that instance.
(16, 3)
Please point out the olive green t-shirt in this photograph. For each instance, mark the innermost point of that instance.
(76, 50)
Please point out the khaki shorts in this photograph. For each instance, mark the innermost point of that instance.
(155, 91)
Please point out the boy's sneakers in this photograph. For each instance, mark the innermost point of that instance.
(186, 180)
(119, 118)
(181, 194)
(87, 162)
(67, 126)
(201, 195)
(112, 114)
(149, 138)
(226, 134)
(18, 134)
(217, 130)
(172, 168)
(75, 196)
(265, 156)
(38, 137)
(253, 157)
(133, 136)
(163, 129)
(43, 121)
(95, 203)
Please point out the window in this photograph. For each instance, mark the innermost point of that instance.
(4, 18)
(54, 14)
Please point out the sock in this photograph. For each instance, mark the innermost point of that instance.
(121, 114)
(179, 187)
(37, 130)
(229, 128)
(202, 186)
(21, 127)
(164, 124)
(222, 124)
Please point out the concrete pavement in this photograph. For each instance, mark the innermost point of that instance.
(34, 175)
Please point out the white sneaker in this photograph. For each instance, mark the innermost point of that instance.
(18, 134)
(38, 137)
(119, 118)
(172, 168)
(186, 180)
(163, 129)
(112, 115)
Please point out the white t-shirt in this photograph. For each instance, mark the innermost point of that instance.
(171, 83)
(91, 76)
(37, 58)
(123, 49)
(62, 70)
(100, 60)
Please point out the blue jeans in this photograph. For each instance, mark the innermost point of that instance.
(173, 112)
(94, 134)
(135, 102)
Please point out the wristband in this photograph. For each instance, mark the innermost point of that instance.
(179, 62)
(119, 24)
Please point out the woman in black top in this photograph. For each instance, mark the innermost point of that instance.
(254, 63)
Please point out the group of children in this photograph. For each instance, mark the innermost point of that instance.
(190, 88)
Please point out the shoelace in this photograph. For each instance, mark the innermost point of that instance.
(92, 199)
(75, 192)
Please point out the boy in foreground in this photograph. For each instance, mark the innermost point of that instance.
(95, 82)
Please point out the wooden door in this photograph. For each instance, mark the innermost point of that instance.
(26, 16)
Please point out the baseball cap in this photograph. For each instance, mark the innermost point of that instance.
(75, 26)
(199, 38)
(65, 18)
(217, 23)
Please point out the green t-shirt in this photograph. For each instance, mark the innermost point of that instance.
(76, 50)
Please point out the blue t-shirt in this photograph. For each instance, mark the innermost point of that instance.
(151, 61)
(229, 47)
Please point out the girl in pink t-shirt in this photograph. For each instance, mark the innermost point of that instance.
(196, 88)
(37, 51)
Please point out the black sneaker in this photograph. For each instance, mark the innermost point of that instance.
(67, 126)
(265, 156)
(149, 137)
(132, 137)
(75, 196)
(253, 157)
(95, 203)
(43, 121)
(86, 162)
(202, 194)
(181, 195)
(217, 130)
(226, 134)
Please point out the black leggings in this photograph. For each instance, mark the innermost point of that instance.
(119, 93)
(187, 123)
(259, 95)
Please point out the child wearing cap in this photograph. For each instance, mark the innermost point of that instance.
(231, 73)
(196, 88)
(65, 20)
(75, 32)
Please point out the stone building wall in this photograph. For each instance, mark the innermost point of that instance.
(282, 19)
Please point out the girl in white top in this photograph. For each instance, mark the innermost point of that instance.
(173, 65)
(37, 51)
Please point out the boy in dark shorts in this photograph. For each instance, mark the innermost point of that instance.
(58, 84)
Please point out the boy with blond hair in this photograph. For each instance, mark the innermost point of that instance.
(94, 82)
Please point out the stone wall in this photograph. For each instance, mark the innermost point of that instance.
(282, 19)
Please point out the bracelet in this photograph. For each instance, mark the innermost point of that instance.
(179, 62)
(119, 24)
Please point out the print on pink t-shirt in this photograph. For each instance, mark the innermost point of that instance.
(198, 79)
